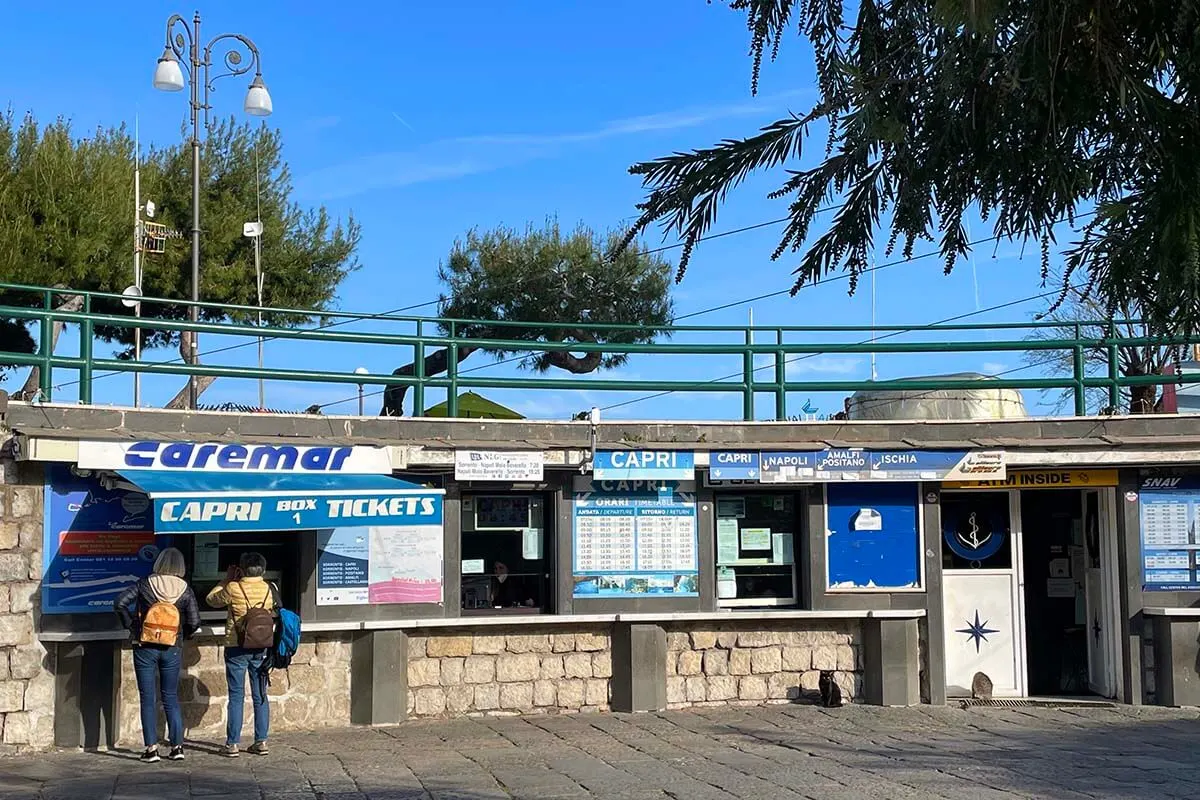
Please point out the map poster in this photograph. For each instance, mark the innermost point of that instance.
(379, 565)
(342, 558)
(96, 542)
(405, 564)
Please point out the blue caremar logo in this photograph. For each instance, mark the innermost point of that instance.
(253, 458)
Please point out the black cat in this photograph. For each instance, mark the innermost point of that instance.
(831, 693)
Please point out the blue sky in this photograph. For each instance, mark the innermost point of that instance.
(425, 124)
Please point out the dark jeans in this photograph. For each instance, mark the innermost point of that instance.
(241, 663)
(153, 664)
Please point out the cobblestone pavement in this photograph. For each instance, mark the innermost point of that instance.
(760, 753)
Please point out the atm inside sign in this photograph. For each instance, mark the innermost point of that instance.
(1044, 479)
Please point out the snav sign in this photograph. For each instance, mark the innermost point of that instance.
(213, 457)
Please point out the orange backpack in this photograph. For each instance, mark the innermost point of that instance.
(161, 624)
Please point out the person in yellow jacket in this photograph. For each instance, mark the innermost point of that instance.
(244, 588)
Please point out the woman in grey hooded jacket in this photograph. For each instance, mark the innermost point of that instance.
(160, 663)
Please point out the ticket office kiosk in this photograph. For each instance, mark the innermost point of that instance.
(756, 532)
(209, 555)
(507, 563)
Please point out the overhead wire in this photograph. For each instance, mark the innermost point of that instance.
(890, 335)
(653, 251)
(664, 248)
(831, 280)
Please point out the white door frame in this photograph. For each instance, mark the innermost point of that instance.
(1018, 559)
(1110, 509)
(1104, 609)
(1110, 592)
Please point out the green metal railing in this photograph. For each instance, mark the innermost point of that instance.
(422, 335)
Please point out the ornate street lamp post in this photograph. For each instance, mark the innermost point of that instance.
(184, 53)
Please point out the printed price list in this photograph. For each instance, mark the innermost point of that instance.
(666, 543)
(604, 543)
(1165, 524)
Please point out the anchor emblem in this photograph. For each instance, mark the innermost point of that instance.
(973, 538)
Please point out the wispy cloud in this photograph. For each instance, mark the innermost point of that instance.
(824, 365)
(403, 122)
(322, 123)
(457, 157)
(993, 367)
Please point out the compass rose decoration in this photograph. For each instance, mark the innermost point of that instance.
(977, 631)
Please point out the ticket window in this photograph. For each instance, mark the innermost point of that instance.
(214, 553)
(505, 564)
(755, 545)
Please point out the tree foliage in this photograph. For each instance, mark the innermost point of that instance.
(1089, 316)
(557, 279)
(1029, 112)
(66, 219)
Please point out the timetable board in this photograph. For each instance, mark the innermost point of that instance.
(1170, 515)
(634, 539)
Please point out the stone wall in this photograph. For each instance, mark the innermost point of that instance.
(314, 692)
(501, 672)
(755, 663)
(26, 681)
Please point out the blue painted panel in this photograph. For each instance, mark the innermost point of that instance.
(887, 558)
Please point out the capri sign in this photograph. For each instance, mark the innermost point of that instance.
(645, 465)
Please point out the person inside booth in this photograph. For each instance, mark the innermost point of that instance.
(507, 591)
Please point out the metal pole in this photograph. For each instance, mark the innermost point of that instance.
(262, 398)
(360, 400)
(874, 371)
(258, 274)
(137, 260)
(193, 394)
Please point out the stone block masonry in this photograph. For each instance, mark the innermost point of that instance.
(26, 678)
(497, 672)
(757, 663)
(314, 692)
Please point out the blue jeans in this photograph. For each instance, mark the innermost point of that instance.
(240, 662)
(159, 665)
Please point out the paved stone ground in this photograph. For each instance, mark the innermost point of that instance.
(760, 753)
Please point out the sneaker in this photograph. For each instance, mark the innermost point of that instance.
(149, 755)
(176, 754)
(258, 749)
(230, 751)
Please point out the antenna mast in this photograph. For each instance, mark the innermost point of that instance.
(137, 256)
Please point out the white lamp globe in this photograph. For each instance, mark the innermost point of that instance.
(168, 77)
(258, 99)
